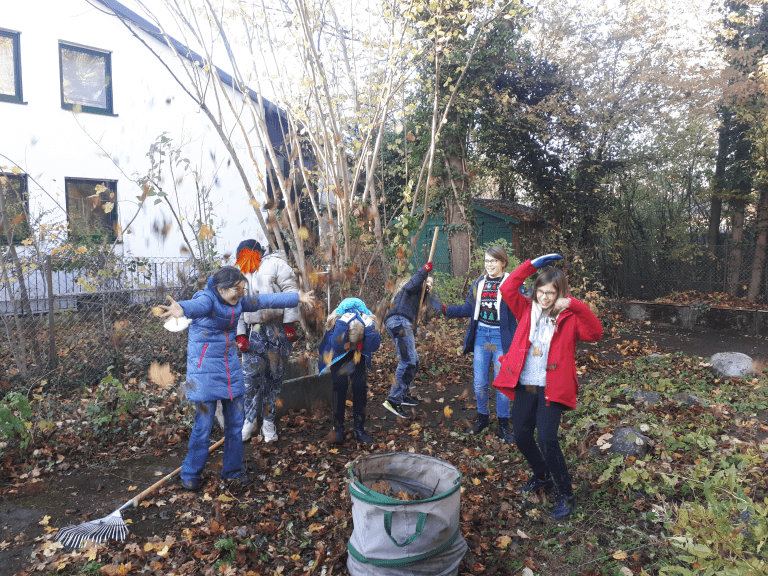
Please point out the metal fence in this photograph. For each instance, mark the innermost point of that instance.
(68, 326)
(641, 272)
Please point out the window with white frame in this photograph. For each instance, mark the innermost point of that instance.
(92, 208)
(10, 67)
(86, 79)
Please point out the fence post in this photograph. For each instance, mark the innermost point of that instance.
(52, 357)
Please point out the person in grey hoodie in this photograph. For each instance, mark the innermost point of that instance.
(265, 337)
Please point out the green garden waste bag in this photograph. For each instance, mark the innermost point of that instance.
(405, 514)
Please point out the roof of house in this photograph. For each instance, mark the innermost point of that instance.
(126, 13)
(509, 208)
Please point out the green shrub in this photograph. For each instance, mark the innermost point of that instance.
(15, 415)
(726, 534)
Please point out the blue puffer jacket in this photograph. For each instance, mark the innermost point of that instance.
(336, 346)
(214, 371)
(406, 301)
(471, 308)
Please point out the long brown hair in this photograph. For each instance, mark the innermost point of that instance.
(555, 277)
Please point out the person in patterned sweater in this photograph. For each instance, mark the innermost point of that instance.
(489, 335)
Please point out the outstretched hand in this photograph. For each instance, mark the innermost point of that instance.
(546, 260)
(307, 297)
(172, 310)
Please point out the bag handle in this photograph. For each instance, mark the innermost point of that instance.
(420, 522)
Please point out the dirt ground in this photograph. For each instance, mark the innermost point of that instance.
(88, 492)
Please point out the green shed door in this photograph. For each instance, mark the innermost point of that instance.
(492, 230)
(441, 259)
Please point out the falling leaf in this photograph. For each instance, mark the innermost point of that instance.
(503, 541)
(619, 555)
(161, 375)
(447, 411)
(522, 534)
(44, 521)
(132, 488)
(476, 481)
(312, 512)
(315, 527)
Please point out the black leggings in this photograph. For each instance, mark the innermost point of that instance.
(529, 411)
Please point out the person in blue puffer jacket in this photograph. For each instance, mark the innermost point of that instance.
(351, 337)
(214, 371)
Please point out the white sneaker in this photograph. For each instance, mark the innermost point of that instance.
(268, 431)
(247, 429)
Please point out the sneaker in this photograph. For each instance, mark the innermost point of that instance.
(395, 409)
(408, 401)
(268, 431)
(534, 485)
(190, 485)
(565, 507)
(247, 430)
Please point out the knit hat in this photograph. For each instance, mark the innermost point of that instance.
(352, 305)
(249, 256)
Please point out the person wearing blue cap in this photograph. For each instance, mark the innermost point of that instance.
(351, 337)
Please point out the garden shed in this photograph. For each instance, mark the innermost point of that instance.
(493, 220)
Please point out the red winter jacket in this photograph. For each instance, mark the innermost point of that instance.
(577, 322)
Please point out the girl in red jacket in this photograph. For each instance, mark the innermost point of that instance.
(539, 371)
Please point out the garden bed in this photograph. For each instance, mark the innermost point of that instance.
(700, 316)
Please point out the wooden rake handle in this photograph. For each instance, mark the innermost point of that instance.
(139, 497)
(424, 287)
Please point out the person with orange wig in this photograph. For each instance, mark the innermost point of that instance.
(265, 337)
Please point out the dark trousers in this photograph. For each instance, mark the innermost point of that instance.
(342, 373)
(529, 411)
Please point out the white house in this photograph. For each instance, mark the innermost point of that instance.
(82, 100)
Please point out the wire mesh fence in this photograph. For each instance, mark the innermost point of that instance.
(69, 326)
(66, 326)
(640, 272)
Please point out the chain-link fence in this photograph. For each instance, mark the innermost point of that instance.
(642, 272)
(68, 326)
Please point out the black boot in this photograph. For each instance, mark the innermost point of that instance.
(360, 434)
(339, 407)
(480, 424)
(504, 432)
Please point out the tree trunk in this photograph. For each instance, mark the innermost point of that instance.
(761, 246)
(737, 234)
(456, 221)
(716, 199)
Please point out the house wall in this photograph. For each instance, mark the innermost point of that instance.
(51, 144)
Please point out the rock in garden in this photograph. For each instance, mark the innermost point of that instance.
(731, 365)
(629, 442)
(687, 398)
(646, 396)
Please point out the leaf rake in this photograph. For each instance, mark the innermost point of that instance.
(112, 526)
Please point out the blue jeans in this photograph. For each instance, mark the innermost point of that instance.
(530, 411)
(487, 352)
(400, 330)
(199, 440)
